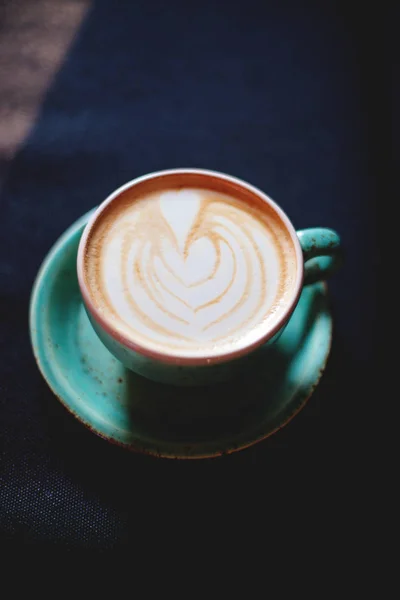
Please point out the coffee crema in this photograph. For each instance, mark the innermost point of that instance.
(189, 268)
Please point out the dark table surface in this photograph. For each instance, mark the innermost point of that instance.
(279, 94)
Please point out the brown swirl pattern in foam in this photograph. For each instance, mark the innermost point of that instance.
(152, 307)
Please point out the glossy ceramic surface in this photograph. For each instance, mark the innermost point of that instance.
(154, 418)
(318, 248)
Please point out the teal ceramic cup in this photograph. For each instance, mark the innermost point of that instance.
(317, 253)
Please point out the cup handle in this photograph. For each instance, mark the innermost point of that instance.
(322, 253)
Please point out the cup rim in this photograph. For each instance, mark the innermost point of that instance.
(177, 357)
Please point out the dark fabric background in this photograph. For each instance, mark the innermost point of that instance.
(279, 94)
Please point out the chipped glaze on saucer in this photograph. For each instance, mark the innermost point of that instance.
(154, 418)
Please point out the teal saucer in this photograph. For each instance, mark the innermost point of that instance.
(164, 420)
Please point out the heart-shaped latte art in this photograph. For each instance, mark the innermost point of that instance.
(191, 267)
(195, 265)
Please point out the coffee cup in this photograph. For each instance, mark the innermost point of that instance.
(186, 273)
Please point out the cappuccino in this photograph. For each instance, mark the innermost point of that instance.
(187, 267)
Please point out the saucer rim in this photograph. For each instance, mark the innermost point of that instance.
(51, 255)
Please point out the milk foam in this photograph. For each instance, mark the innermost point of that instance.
(190, 268)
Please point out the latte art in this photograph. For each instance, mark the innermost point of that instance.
(189, 268)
